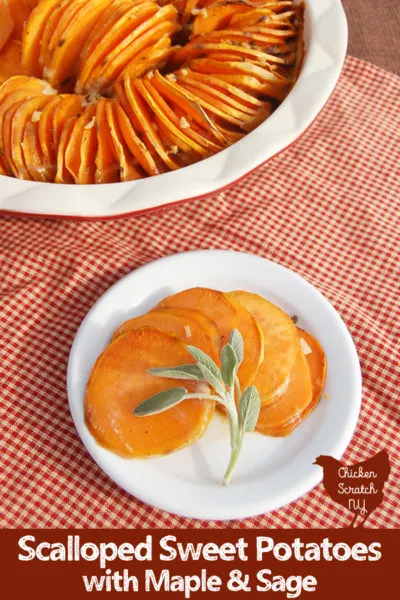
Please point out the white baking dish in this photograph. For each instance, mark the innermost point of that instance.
(325, 50)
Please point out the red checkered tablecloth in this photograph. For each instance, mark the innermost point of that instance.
(328, 208)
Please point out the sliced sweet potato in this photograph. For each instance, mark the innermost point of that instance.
(187, 104)
(20, 12)
(129, 167)
(289, 405)
(239, 108)
(213, 105)
(232, 91)
(215, 305)
(45, 133)
(7, 116)
(32, 153)
(70, 106)
(107, 169)
(167, 117)
(63, 175)
(32, 35)
(55, 25)
(11, 60)
(73, 148)
(123, 22)
(134, 143)
(253, 342)
(216, 17)
(281, 344)
(20, 156)
(182, 324)
(6, 23)
(149, 58)
(316, 361)
(142, 115)
(191, 135)
(120, 381)
(66, 55)
(144, 36)
(88, 151)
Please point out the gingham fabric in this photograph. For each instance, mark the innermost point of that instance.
(328, 207)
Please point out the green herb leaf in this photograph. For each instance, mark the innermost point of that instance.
(236, 341)
(229, 364)
(210, 371)
(249, 409)
(160, 402)
(180, 372)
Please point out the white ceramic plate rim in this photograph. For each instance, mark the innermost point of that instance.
(220, 510)
(326, 44)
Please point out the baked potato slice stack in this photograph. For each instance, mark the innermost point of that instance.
(127, 89)
(286, 364)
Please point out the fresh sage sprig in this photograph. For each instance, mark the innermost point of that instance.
(242, 408)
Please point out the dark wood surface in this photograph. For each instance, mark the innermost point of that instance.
(374, 31)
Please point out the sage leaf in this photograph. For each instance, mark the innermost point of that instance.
(179, 372)
(210, 371)
(229, 364)
(203, 359)
(249, 409)
(160, 402)
(236, 341)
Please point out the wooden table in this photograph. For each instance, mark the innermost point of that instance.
(374, 31)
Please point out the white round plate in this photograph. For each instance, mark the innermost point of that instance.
(325, 41)
(271, 471)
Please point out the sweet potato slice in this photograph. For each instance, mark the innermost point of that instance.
(290, 404)
(32, 153)
(32, 36)
(66, 55)
(107, 169)
(134, 143)
(124, 53)
(73, 148)
(139, 111)
(253, 342)
(281, 344)
(239, 108)
(213, 105)
(11, 60)
(215, 305)
(20, 155)
(129, 167)
(55, 25)
(216, 17)
(70, 106)
(169, 120)
(46, 138)
(88, 151)
(20, 12)
(149, 58)
(6, 23)
(5, 135)
(123, 22)
(187, 104)
(120, 381)
(316, 362)
(183, 326)
(63, 175)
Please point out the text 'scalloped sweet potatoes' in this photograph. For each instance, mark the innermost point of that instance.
(280, 344)
(120, 381)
